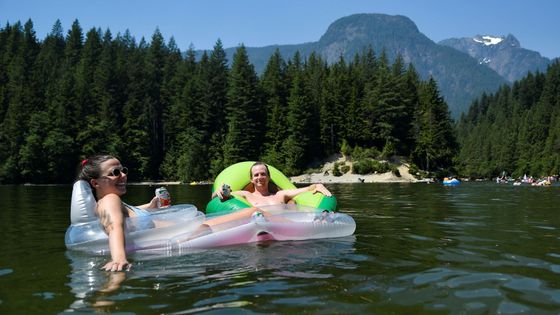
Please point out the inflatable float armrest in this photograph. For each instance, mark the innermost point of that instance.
(317, 200)
(231, 205)
(83, 204)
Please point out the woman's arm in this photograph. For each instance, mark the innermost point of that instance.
(112, 218)
(150, 205)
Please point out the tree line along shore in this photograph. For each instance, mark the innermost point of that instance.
(177, 116)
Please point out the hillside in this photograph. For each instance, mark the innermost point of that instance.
(460, 77)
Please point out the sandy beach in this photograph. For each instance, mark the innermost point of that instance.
(326, 176)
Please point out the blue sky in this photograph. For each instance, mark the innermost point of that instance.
(257, 23)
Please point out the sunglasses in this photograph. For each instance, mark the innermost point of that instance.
(116, 172)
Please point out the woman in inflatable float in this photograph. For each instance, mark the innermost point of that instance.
(128, 228)
(104, 178)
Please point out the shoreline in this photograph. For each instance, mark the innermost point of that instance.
(323, 177)
(326, 177)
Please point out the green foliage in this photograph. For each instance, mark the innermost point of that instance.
(435, 142)
(244, 116)
(514, 130)
(174, 116)
(388, 150)
(340, 168)
(336, 170)
(273, 85)
(297, 145)
(359, 153)
(370, 166)
(345, 149)
(415, 171)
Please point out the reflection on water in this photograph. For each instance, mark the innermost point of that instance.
(478, 248)
(91, 285)
(255, 269)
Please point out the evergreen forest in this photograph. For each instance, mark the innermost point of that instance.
(515, 131)
(174, 115)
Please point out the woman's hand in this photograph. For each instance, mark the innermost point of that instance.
(153, 204)
(120, 265)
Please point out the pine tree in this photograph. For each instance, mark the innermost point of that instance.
(315, 72)
(103, 115)
(406, 127)
(296, 145)
(551, 96)
(435, 142)
(273, 85)
(355, 123)
(85, 101)
(332, 112)
(155, 63)
(11, 136)
(4, 97)
(187, 158)
(136, 148)
(173, 80)
(245, 116)
(387, 105)
(174, 115)
(213, 106)
(46, 72)
(59, 146)
(47, 69)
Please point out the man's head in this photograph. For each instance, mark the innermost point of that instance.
(260, 175)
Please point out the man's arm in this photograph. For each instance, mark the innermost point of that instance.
(315, 188)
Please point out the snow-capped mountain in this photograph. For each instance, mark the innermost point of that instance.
(503, 54)
(488, 40)
(459, 76)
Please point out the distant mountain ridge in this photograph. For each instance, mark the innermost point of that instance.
(503, 54)
(461, 78)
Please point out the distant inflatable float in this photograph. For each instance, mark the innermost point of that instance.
(179, 228)
(451, 182)
(238, 177)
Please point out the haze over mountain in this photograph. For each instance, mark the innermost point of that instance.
(503, 54)
(460, 77)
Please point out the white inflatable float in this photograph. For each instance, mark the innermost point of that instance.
(180, 228)
(141, 233)
(286, 223)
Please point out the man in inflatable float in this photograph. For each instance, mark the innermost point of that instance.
(259, 192)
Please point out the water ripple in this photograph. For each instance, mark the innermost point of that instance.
(478, 248)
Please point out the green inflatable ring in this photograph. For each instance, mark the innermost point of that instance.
(237, 176)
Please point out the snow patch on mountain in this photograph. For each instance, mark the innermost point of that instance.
(488, 40)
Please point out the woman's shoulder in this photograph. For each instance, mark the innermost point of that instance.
(110, 200)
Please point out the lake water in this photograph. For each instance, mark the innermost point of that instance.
(478, 248)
